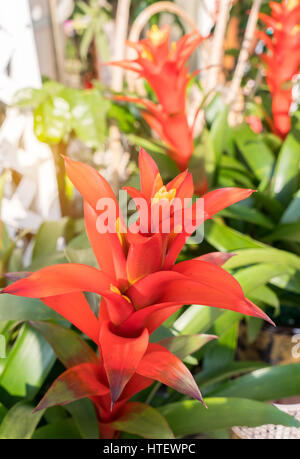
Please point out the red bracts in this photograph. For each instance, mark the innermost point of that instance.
(140, 283)
(164, 68)
(283, 59)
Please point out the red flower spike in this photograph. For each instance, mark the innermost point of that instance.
(282, 61)
(121, 357)
(140, 288)
(164, 69)
(158, 363)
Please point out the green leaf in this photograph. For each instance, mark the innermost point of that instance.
(88, 116)
(248, 214)
(292, 212)
(46, 238)
(196, 319)
(225, 239)
(206, 378)
(221, 353)
(203, 159)
(184, 345)
(48, 260)
(65, 429)
(270, 255)
(266, 384)
(3, 412)
(255, 276)
(84, 416)
(190, 417)
(82, 256)
(68, 346)
(256, 153)
(52, 120)
(285, 232)
(265, 295)
(20, 422)
(27, 365)
(270, 205)
(218, 132)
(145, 421)
(286, 176)
(254, 326)
(17, 308)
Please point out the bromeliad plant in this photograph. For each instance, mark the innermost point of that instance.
(141, 286)
(282, 60)
(164, 68)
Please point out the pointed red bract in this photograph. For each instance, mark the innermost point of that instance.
(121, 357)
(158, 363)
(78, 382)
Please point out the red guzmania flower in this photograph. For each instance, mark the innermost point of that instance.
(283, 59)
(140, 283)
(164, 68)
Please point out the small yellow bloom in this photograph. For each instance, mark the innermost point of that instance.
(156, 35)
(291, 4)
(146, 54)
(164, 194)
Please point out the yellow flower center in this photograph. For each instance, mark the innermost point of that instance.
(146, 54)
(295, 30)
(291, 4)
(121, 234)
(156, 35)
(163, 193)
(115, 289)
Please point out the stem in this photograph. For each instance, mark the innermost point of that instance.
(244, 53)
(121, 30)
(155, 388)
(57, 151)
(217, 45)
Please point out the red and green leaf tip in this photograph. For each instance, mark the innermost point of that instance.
(140, 285)
(164, 67)
(283, 59)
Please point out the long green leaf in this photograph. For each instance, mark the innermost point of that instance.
(27, 365)
(20, 422)
(65, 429)
(68, 346)
(265, 384)
(209, 377)
(17, 308)
(190, 417)
(286, 176)
(84, 415)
